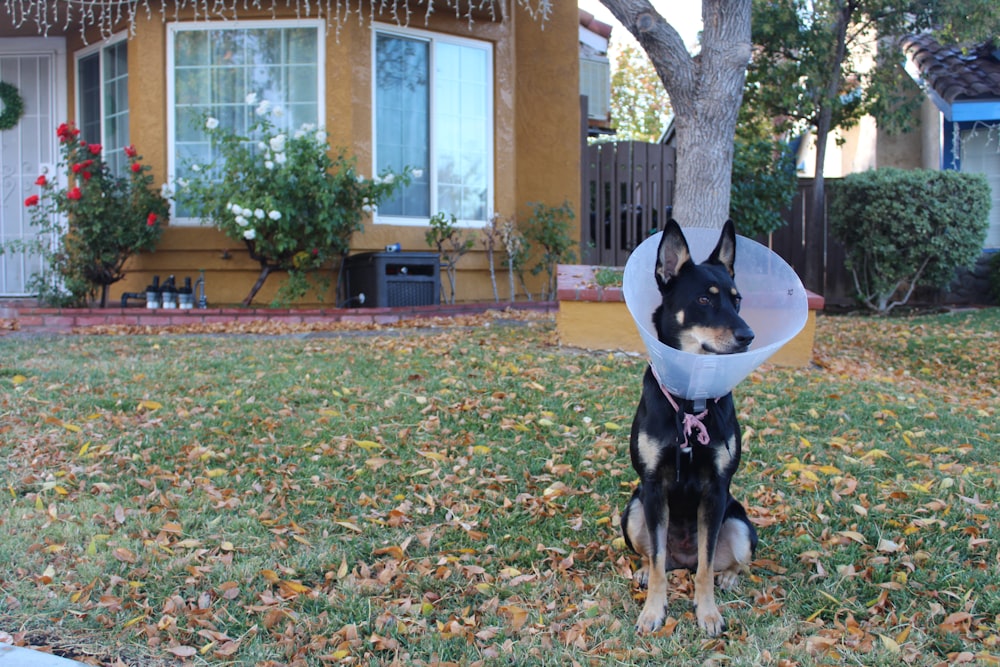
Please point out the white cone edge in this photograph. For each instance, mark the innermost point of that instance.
(775, 306)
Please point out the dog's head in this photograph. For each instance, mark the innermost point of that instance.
(700, 310)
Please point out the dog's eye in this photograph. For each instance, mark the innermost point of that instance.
(737, 300)
(704, 301)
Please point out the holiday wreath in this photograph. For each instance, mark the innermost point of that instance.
(13, 106)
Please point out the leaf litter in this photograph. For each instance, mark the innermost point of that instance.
(452, 497)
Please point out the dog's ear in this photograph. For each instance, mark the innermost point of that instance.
(725, 249)
(672, 254)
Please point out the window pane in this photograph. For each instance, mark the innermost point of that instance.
(463, 155)
(116, 105)
(402, 113)
(89, 89)
(191, 48)
(214, 71)
(301, 46)
(302, 83)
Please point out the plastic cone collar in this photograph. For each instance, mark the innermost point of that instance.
(775, 306)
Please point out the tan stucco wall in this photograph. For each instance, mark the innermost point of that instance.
(536, 134)
(906, 150)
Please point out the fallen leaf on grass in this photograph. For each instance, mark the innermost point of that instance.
(518, 616)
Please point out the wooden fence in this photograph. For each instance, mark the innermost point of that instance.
(627, 192)
(805, 243)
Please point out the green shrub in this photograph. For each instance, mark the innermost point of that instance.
(90, 223)
(764, 183)
(904, 228)
(550, 228)
(284, 195)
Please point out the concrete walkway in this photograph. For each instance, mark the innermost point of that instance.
(18, 656)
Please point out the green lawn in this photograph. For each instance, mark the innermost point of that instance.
(453, 496)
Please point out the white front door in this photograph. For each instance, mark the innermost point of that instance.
(36, 67)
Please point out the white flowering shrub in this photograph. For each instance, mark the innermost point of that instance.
(293, 204)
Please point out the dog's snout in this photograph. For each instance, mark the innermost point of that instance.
(744, 336)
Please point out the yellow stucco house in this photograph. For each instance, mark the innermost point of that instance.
(492, 87)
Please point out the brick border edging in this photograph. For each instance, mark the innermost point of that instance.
(66, 320)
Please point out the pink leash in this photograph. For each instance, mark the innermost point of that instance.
(691, 423)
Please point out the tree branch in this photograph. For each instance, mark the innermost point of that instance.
(661, 42)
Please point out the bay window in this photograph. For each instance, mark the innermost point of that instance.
(433, 112)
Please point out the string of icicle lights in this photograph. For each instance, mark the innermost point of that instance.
(111, 15)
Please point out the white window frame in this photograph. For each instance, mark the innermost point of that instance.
(100, 49)
(432, 38)
(277, 24)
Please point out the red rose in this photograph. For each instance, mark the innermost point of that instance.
(65, 132)
(151, 219)
(87, 175)
(31, 201)
(74, 194)
(95, 149)
(86, 163)
(77, 168)
(41, 180)
(315, 252)
(130, 151)
(136, 167)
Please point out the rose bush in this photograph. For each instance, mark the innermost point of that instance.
(284, 196)
(98, 220)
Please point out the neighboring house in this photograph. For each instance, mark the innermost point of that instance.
(497, 95)
(960, 120)
(595, 73)
(958, 126)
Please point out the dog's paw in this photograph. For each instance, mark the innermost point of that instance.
(728, 579)
(641, 577)
(710, 620)
(652, 617)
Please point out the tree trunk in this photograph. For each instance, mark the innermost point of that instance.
(705, 91)
(824, 123)
(265, 271)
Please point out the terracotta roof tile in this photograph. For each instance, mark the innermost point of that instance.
(955, 74)
(591, 23)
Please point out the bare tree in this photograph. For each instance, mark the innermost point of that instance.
(705, 92)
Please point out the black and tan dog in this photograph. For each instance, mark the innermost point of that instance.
(682, 514)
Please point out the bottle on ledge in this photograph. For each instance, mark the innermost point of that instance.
(153, 294)
(169, 293)
(185, 295)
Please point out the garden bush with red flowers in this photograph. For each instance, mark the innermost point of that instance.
(97, 218)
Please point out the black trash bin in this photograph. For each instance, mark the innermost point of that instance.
(393, 279)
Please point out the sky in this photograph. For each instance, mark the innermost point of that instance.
(685, 16)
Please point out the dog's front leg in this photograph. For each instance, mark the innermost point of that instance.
(657, 515)
(710, 513)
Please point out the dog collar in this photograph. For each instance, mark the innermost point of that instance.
(688, 423)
